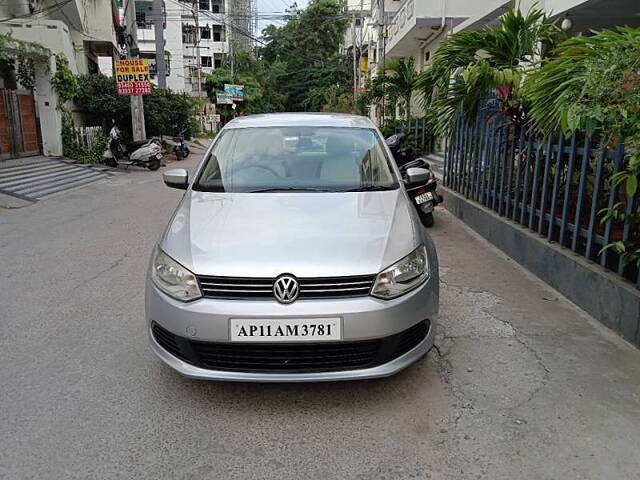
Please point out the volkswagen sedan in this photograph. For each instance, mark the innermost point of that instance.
(294, 255)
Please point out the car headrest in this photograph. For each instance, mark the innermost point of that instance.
(304, 143)
(339, 144)
(269, 144)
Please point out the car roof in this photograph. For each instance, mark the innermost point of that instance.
(300, 119)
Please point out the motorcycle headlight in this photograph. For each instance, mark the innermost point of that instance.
(172, 278)
(403, 276)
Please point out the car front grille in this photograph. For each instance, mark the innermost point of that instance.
(262, 288)
(301, 357)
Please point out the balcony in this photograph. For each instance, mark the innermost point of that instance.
(418, 20)
(146, 34)
(588, 15)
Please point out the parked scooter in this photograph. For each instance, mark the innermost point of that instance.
(420, 181)
(143, 153)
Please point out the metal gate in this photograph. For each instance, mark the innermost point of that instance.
(18, 125)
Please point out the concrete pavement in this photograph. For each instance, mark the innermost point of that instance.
(523, 384)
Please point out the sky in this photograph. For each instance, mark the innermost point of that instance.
(269, 7)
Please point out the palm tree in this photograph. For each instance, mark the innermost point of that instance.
(470, 64)
(398, 80)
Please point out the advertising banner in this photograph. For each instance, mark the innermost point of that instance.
(234, 91)
(223, 99)
(132, 77)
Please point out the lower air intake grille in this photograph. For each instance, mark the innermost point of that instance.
(302, 357)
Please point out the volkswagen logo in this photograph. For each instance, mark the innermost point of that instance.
(286, 288)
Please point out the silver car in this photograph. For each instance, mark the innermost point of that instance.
(294, 255)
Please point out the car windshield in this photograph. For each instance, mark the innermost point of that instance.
(297, 159)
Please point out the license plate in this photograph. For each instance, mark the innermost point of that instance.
(285, 330)
(424, 197)
(158, 156)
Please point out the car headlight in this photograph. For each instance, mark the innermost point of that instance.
(172, 278)
(403, 276)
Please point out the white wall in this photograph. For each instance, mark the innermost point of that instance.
(551, 6)
(52, 34)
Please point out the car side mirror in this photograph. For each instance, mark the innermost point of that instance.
(417, 175)
(176, 178)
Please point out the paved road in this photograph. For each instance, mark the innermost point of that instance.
(524, 386)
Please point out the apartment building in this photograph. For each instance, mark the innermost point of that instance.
(30, 121)
(415, 28)
(198, 36)
(366, 37)
(577, 16)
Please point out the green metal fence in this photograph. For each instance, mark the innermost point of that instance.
(418, 129)
(555, 186)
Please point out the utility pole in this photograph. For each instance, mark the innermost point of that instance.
(161, 68)
(196, 15)
(232, 58)
(137, 106)
(355, 52)
(361, 40)
(381, 47)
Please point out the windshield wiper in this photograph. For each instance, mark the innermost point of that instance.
(370, 188)
(288, 189)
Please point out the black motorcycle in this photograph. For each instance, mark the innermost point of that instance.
(419, 179)
(180, 149)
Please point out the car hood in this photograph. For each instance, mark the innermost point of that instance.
(305, 234)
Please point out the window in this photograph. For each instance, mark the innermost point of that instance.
(92, 66)
(218, 33)
(358, 22)
(204, 5)
(205, 61)
(141, 19)
(205, 33)
(217, 6)
(188, 33)
(302, 158)
(217, 63)
(427, 56)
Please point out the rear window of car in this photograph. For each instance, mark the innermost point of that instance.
(297, 159)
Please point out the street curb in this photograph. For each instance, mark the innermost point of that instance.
(609, 299)
(10, 201)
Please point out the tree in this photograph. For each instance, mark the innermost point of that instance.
(399, 80)
(592, 83)
(470, 64)
(165, 110)
(169, 112)
(258, 96)
(96, 97)
(307, 51)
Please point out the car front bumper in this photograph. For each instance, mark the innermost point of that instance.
(363, 318)
(384, 370)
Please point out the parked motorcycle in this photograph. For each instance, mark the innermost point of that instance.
(143, 153)
(420, 181)
(180, 149)
(402, 151)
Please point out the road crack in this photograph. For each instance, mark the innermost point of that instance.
(102, 272)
